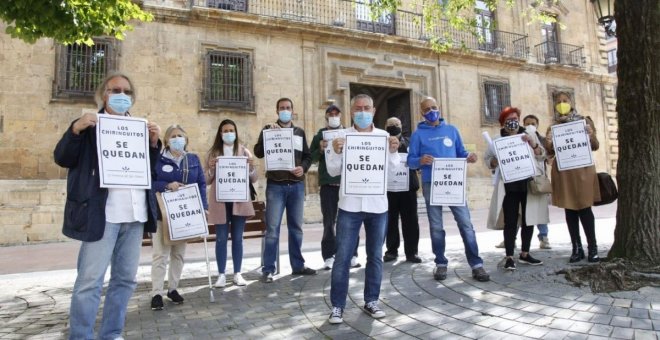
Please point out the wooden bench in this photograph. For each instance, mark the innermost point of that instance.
(255, 227)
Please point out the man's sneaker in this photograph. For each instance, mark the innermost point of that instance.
(372, 309)
(440, 273)
(480, 274)
(328, 263)
(336, 316)
(221, 282)
(544, 243)
(267, 277)
(389, 257)
(174, 296)
(414, 259)
(529, 260)
(509, 264)
(157, 302)
(238, 280)
(305, 271)
(355, 263)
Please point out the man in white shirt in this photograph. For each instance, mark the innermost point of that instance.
(355, 210)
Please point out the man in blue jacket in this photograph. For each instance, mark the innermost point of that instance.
(434, 138)
(109, 222)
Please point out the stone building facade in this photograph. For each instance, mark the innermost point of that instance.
(201, 61)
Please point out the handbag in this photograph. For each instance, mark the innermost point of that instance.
(539, 185)
(608, 191)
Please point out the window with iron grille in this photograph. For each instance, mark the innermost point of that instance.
(611, 61)
(80, 68)
(495, 97)
(228, 80)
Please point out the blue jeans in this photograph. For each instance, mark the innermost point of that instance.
(120, 248)
(543, 230)
(348, 230)
(237, 225)
(462, 218)
(280, 196)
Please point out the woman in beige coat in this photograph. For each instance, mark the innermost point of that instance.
(575, 190)
(228, 215)
(513, 199)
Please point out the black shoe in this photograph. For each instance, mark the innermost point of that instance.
(593, 254)
(305, 271)
(509, 264)
(577, 254)
(389, 257)
(529, 260)
(414, 259)
(175, 297)
(440, 273)
(157, 302)
(480, 274)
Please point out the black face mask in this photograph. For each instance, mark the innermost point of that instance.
(393, 130)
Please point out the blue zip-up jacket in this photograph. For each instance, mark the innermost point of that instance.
(440, 141)
(84, 210)
(168, 171)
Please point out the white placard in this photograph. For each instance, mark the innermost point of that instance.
(448, 182)
(185, 213)
(399, 178)
(572, 145)
(365, 165)
(329, 136)
(278, 149)
(515, 158)
(122, 146)
(232, 179)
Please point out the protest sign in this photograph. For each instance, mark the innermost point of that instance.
(365, 165)
(515, 158)
(448, 182)
(278, 149)
(122, 145)
(232, 179)
(399, 178)
(183, 213)
(572, 145)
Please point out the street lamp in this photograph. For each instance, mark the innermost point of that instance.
(605, 12)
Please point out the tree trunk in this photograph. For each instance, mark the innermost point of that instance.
(637, 233)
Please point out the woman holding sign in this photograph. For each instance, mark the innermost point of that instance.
(175, 168)
(577, 189)
(228, 215)
(512, 198)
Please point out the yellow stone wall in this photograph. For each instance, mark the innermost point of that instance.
(311, 64)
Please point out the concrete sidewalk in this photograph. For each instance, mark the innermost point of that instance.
(532, 302)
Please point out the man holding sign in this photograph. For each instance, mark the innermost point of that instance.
(285, 190)
(434, 138)
(108, 221)
(362, 199)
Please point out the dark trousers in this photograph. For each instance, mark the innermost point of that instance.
(514, 201)
(329, 199)
(573, 219)
(404, 204)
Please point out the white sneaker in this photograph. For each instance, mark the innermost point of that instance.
(336, 316)
(222, 281)
(238, 280)
(544, 243)
(328, 263)
(355, 263)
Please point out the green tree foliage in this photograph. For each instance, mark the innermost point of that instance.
(458, 14)
(69, 21)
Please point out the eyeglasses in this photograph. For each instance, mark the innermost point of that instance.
(118, 90)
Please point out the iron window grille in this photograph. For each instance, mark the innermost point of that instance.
(228, 80)
(81, 68)
(496, 96)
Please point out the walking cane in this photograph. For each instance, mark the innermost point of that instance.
(208, 271)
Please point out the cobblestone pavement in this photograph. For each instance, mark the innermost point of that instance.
(532, 302)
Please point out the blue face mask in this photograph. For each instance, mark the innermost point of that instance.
(363, 119)
(285, 116)
(432, 116)
(229, 138)
(120, 103)
(178, 143)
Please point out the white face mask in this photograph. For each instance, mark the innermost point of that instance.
(334, 122)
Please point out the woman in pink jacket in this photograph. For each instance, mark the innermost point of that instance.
(228, 215)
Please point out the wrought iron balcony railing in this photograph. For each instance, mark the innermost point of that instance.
(552, 52)
(355, 15)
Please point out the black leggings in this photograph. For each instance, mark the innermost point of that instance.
(573, 219)
(513, 202)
